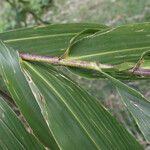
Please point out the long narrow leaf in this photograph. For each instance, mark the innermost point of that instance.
(13, 134)
(75, 118)
(22, 95)
(47, 40)
(137, 105)
(116, 45)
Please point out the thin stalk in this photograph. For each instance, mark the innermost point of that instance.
(65, 62)
(81, 64)
(140, 71)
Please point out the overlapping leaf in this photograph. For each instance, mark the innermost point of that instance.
(22, 95)
(115, 46)
(137, 105)
(50, 40)
(68, 105)
(75, 119)
(118, 45)
(13, 134)
(122, 45)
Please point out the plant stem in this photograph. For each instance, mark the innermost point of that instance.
(140, 71)
(65, 62)
(80, 64)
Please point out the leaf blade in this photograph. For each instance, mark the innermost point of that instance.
(87, 112)
(22, 95)
(114, 46)
(12, 131)
(136, 103)
(50, 40)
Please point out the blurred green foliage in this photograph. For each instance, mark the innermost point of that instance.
(111, 12)
(22, 13)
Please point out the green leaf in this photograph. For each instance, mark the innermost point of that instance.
(114, 46)
(94, 74)
(136, 103)
(2, 84)
(75, 119)
(50, 40)
(119, 46)
(13, 134)
(73, 114)
(122, 46)
(20, 91)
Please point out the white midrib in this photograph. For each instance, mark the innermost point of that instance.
(39, 37)
(108, 52)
